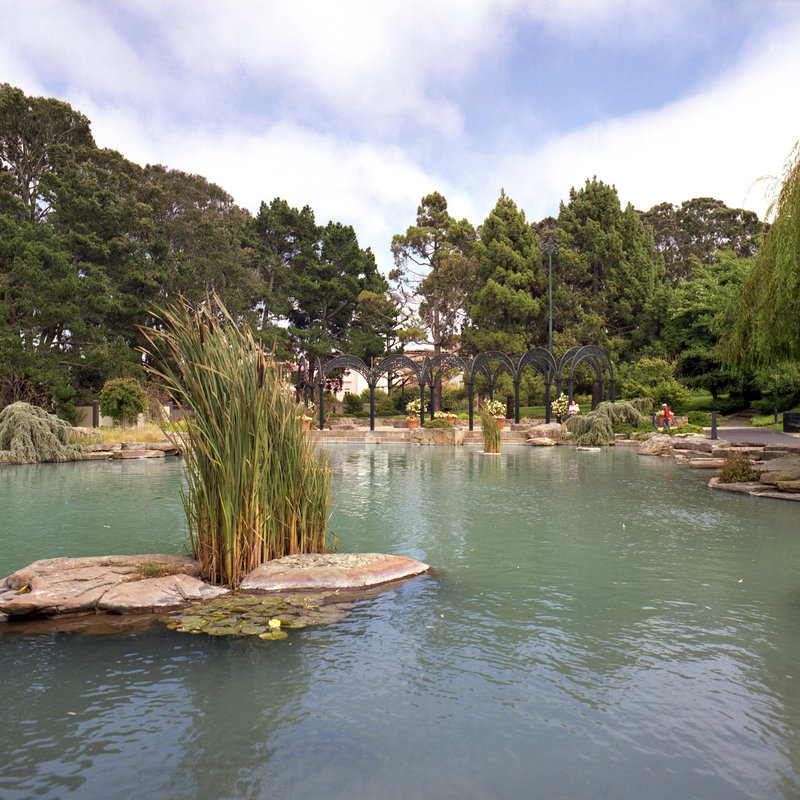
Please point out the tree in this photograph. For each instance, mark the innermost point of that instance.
(283, 239)
(766, 329)
(698, 230)
(698, 317)
(123, 399)
(607, 270)
(198, 240)
(434, 257)
(29, 126)
(324, 288)
(508, 306)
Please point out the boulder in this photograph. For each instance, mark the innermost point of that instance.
(550, 430)
(542, 441)
(691, 441)
(437, 436)
(331, 571)
(789, 486)
(658, 445)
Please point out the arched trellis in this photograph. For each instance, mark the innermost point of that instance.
(429, 372)
(543, 362)
(595, 357)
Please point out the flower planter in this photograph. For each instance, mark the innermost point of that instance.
(500, 422)
(412, 423)
(306, 424)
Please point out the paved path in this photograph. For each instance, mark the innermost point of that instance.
(734, 434)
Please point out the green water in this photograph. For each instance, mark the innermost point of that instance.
(600, 625)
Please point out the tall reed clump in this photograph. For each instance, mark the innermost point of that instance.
(596, 427)
(490, 429)
(257, 488)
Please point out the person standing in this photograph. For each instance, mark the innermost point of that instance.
(667, 412)
(574, 408)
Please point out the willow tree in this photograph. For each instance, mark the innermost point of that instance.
(766, 317)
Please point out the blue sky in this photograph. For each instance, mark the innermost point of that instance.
(358, 109)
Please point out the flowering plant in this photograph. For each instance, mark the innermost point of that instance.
(560, 405)
(306, 411)
(412, 408)
(497, 408)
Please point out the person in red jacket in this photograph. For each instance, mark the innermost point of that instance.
(667, 412)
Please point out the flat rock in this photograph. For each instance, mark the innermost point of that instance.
(71, 585)
(152, 595)
(139, 454)
(782, 469)
(331, 571)
(706, 463)
(541, 441)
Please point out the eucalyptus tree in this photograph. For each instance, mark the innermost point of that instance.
(699, 229)
(434, 257)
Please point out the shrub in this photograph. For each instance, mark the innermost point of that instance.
(123, 399)
(654, 378)
(701, 418)
(29, 433)
(596, 427)
(437, 423)
(736, 469)
(688, 429)
(352, 403)
(257, 488)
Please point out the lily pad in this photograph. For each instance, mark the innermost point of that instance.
(265, 616)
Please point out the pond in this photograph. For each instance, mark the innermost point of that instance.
(599, 625)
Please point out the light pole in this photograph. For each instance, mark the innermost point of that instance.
(551, 246)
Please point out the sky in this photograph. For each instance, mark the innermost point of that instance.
(359, 109)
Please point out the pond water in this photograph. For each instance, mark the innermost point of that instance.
(600, 625)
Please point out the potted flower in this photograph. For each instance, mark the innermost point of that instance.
(306, 414)
(497, 408)
(448, 415)
(560, 406)
(412, 413)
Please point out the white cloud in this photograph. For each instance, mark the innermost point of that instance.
(718, 142)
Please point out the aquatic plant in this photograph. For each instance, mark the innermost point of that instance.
(29, 433)
(257, 488)
(265, 616)
(492, 442)
(596, 427)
